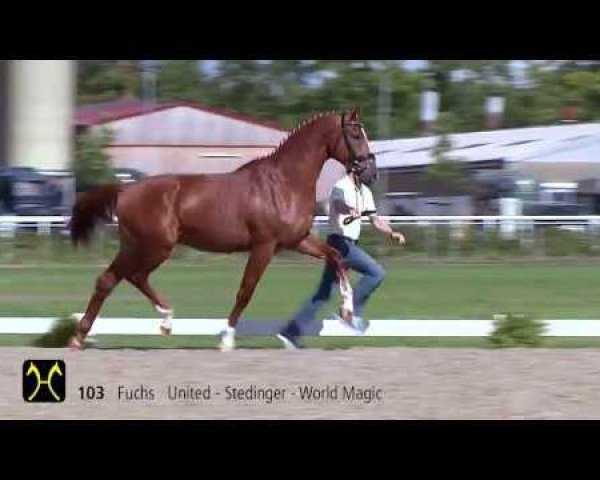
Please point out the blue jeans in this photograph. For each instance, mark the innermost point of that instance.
(358, 260)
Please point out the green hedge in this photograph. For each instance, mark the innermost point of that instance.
(517, 330)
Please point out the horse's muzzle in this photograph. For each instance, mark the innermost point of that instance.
(368, 173)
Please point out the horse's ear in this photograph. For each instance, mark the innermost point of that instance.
(353, 115)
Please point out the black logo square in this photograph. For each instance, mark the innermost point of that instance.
(44, 381)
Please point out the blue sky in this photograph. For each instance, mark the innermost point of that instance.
(517, 67)
(415, 64)
(210, 65)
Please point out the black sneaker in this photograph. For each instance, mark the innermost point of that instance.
(289, 343)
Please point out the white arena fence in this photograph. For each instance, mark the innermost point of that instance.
(429, 236)
(9, 224)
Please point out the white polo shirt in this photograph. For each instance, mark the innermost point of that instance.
(358, 199)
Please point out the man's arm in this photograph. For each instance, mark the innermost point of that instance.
(342, 208)
(384, 227)
(339, 205)
(380, 224)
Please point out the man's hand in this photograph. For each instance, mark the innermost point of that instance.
(398, 237)
(354, 213)
(353, 216)
(383, 227)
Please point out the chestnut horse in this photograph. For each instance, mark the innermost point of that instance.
(262, 207)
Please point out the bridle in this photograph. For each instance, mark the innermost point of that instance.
(357, 162)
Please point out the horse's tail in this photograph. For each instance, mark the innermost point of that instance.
(90, 208)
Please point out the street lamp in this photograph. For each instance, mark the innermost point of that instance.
(384, 105)
(494, 100)
(430, 104)
(494, 109)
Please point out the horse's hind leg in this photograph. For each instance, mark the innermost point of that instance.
(317, 248)
(150, 261)
(260, 257)
(123, 264)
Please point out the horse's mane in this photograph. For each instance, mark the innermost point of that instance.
(292, 135)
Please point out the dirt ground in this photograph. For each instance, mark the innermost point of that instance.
(409, 383)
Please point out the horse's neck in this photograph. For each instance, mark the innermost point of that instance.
(302, 160)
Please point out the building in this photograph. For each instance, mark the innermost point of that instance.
(551, 161)
(187, 138)
(179, 137)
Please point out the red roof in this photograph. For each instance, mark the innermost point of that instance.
(99, 113)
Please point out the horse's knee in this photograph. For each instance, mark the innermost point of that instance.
(337, 261)
(135, 278)
(337, 258)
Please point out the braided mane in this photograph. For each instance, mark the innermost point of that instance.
(299, 128)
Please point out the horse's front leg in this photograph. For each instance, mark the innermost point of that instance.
(317, 248)
(260, 257)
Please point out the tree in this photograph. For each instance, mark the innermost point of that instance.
(447, 175)
(92, 162)
(288, 91)
(179, 80)
(105, 80)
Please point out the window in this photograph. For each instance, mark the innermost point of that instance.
(26, 189)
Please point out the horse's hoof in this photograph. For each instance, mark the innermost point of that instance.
(226, 347)
(165, 332)
(227, 343)
(75, 344)
(346, 315)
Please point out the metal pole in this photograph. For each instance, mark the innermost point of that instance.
(384, 106)
(384, 113)
(149, 68)
(4, 66)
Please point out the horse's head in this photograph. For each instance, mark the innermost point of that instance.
(352, 150)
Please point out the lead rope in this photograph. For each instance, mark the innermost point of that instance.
(358, 201)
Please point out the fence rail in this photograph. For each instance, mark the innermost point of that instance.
(10, 220)
(508, 225)
(433, 236)
(469, 220)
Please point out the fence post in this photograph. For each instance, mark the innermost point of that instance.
(7, 231)
(44, 230)
(428, 237)
(456, 235)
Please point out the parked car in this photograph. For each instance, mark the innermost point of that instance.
(128, 175)
(26, 191)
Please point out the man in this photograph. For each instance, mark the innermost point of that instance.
(350, 199)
